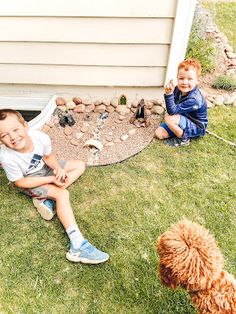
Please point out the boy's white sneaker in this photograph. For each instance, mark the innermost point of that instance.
(45, 207)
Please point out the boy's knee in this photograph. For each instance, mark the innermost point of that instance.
(159, 133)
(170, 120)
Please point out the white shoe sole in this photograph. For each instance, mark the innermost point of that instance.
(77, 259)
(43, 210)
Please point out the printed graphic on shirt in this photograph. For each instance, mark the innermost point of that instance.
(34, 162)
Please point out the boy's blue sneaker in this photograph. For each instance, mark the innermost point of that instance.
(175, 142)
(45, 207)
(86, 254)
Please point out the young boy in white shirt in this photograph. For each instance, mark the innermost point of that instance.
(27, 158)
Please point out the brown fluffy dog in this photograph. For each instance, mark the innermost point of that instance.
(190, 257)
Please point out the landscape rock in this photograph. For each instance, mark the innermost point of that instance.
(70, 105)
(219, 100)
(79, 108)
(115, 102)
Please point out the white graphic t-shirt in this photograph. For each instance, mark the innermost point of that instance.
(17, 165)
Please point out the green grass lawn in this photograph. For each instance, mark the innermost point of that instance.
(122, 209)
(224, 14)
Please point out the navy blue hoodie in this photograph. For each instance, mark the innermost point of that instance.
(193, 106)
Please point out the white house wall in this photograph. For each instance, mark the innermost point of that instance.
(89, 47)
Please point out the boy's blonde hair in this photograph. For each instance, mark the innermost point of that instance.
(191, 63)
(4, 113)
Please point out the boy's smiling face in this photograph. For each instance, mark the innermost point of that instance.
(187, 80)
(14, 134)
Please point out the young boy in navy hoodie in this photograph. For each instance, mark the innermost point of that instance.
(186, 107)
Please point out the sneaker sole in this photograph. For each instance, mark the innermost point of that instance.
(44, 212)
(77, 259)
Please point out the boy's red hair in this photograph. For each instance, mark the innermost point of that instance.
(191, 63)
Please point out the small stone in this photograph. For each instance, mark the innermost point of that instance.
(229, 100)
(97, 102)
(109, 139)
(79, 135)
(117, 141)
(209, 104)
(121, 118)
(210, 98)
(106, 103)
(231, 55)
(124, 137)
(228, 48)
(89, 108)
(70, 105)
(233, 62)
(219, 100)
(86, 101)
(84, 127)
(131, 132)
(115, 102)
(118, 121)
(60, 101)
(74, 142)
(55, 120)
(63, 108)
(149, 105)
(109, 144)
(100, 108)
(121, 109)
(157, 102)
(79, 108)
(110, 109)
(158, 109)
(77, 100)
(113, 127)
(134, 104)
(148, 112)
(68, 130)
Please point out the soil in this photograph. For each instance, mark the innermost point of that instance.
(114, 148)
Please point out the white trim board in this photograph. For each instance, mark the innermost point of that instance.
(179, 42)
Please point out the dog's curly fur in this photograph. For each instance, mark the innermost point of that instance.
(190, 257)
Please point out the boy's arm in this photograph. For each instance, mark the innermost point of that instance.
(32, 182)
(52, 162)
(187, 105)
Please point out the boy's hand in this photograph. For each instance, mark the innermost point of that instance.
(169, 87)
(60, 175)
(58, 183)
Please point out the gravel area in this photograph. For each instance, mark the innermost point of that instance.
(119, 137)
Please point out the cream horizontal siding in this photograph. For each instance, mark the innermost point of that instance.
(86, 30)
(85, 44)
(81, 75)
(114, 8)
(84, 54)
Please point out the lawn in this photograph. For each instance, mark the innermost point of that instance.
(223, 14)
(122, 209)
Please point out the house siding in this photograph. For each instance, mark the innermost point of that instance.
(85, 47)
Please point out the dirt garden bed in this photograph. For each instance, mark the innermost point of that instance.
(102, 133)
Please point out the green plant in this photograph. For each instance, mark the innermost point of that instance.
(201, 48)
(225, 82)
